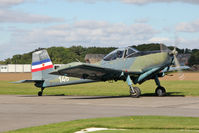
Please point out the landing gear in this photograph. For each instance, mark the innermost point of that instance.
(40, 93)
(135, 92)
(160, 91)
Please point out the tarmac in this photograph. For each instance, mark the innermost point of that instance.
(18, 111)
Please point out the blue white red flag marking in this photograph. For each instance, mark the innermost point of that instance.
(41, 65)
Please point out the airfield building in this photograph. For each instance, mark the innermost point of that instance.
(20, 68)
(184, 59)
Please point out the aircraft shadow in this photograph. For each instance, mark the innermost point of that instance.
(168, 94)
(28, 96)
(43, 95)
(97, 97)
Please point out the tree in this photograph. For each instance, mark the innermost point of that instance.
(194, 59)
(148, 47)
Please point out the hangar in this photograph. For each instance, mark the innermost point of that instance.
(19, 68)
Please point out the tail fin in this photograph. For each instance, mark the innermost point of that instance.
(41, 65)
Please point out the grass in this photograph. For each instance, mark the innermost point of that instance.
(148, 131)
(184, 88)
(137, 124)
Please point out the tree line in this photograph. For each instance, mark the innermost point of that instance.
(62, 55)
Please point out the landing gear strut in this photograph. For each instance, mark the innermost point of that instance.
(135, 92)
(40, 93)
(160, 91)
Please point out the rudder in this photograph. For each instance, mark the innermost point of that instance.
(41, 65)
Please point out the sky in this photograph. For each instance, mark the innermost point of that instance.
(29, 24)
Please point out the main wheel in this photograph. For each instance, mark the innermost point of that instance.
(136, 93)
(40, 93)
(160, 91)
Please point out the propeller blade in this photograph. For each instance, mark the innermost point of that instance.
(177, 64)
(163, 48)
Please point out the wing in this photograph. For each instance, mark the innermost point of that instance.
(88, 71)
(171, 69)
(159, 71)
(147, 75)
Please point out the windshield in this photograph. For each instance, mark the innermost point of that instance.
(118, 53)
(131, 51)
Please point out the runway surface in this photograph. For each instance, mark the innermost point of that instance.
(26, 111)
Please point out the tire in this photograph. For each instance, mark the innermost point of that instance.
(136, 94)
(160, 91)
(40, 93)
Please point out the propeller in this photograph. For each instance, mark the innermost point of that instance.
(176, 62)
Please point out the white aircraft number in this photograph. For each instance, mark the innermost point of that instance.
(63, 79)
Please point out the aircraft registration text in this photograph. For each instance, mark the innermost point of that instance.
(63, 79)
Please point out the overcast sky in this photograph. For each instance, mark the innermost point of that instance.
(28, 24)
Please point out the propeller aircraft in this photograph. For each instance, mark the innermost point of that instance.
(127, 64)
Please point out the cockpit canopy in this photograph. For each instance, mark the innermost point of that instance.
(120, 53)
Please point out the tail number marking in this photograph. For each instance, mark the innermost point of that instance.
(63, 79)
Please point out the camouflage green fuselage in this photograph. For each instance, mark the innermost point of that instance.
(140, 63)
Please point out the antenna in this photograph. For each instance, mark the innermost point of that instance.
(77, 60)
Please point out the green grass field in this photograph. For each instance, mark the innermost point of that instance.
(183, 88)
(131, 124)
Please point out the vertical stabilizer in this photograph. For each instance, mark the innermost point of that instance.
(41, 65)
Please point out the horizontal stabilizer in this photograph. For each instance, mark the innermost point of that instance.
(27, 81)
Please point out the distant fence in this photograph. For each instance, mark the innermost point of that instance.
(19, 68)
